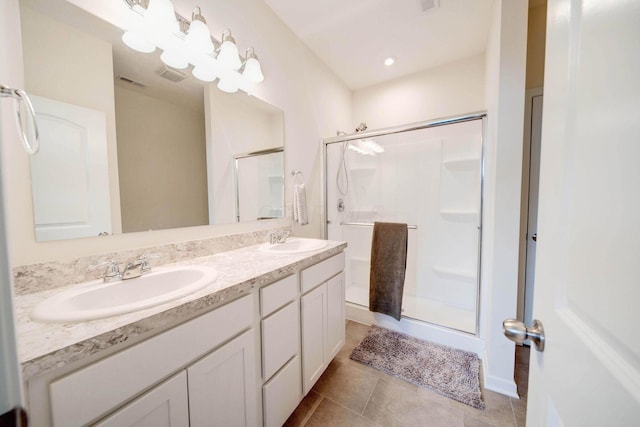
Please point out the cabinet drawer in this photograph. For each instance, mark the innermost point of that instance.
(282, 394)
(278, 294)
(321, 272)
(280, 338)
(125, 374)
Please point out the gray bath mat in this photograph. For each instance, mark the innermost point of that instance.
(448, 371)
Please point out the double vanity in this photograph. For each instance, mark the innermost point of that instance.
(238, 341)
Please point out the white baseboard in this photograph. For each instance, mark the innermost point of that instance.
(499, 385)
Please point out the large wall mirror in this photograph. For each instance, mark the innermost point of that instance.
(130, 145)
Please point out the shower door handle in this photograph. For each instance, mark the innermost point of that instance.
(516, 331)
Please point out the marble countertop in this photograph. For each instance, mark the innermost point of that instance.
(43, 347)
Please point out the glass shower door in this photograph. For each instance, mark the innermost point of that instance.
(430, 179)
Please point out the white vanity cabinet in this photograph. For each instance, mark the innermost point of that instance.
(246, 363)
(130, 387)
(322, 317)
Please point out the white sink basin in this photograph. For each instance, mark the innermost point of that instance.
(294, 245)
(96, 300)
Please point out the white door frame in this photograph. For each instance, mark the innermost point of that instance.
(524, 204)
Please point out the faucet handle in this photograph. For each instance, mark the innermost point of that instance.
(111, 272)
(145, 261)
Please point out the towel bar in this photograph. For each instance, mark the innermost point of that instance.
(370, 224)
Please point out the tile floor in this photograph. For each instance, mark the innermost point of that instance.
(352, 394)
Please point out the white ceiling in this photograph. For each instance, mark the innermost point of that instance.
(354, 36)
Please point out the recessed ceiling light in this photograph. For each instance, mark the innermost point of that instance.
(389, 61)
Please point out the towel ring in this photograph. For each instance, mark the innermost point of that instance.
(19, 96)
(295, 173)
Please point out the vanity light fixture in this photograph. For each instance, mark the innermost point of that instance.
(251, 69)
(154, 23)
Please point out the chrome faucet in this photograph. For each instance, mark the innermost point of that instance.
(278, 236)
(111, 272)
(136, 268)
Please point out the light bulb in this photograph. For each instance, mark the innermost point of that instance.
(198, 38)
(174, 59)
(204, 73)
(136, 41)
(252, 70)
(373, 146)
(228, 54)
(228, 85)
(160, 17)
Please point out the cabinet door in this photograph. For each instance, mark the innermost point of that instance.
(281, 395)
(165, 405)
(314, 339)
(223, 386)
(335, 316)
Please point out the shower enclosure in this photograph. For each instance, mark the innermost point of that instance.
(429, 176)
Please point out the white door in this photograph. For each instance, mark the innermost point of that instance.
(587, 275)
(532, 216)
(70, 174)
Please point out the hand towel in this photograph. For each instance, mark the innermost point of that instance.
(388, 267)
(300, 214)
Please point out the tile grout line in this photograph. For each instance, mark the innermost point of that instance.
(351, 410)
(369, 398)
(315, 406)
(513, 412)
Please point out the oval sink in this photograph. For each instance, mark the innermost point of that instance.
(294, 245)
(96, 300)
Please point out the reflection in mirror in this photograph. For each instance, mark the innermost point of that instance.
(129, 144)
(259, 185)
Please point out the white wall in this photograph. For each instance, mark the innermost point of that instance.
(451, 89)
(506, 63)
(314, 101)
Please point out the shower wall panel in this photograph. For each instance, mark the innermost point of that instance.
(430, 179)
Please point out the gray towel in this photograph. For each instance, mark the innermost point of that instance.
(388, 266)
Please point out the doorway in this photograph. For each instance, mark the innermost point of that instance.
(534, 117)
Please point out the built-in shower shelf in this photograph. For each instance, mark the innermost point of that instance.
(459, 214)
(456, 274)
(468, 163)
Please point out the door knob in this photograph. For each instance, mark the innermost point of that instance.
(516, 331)
(534, 237)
